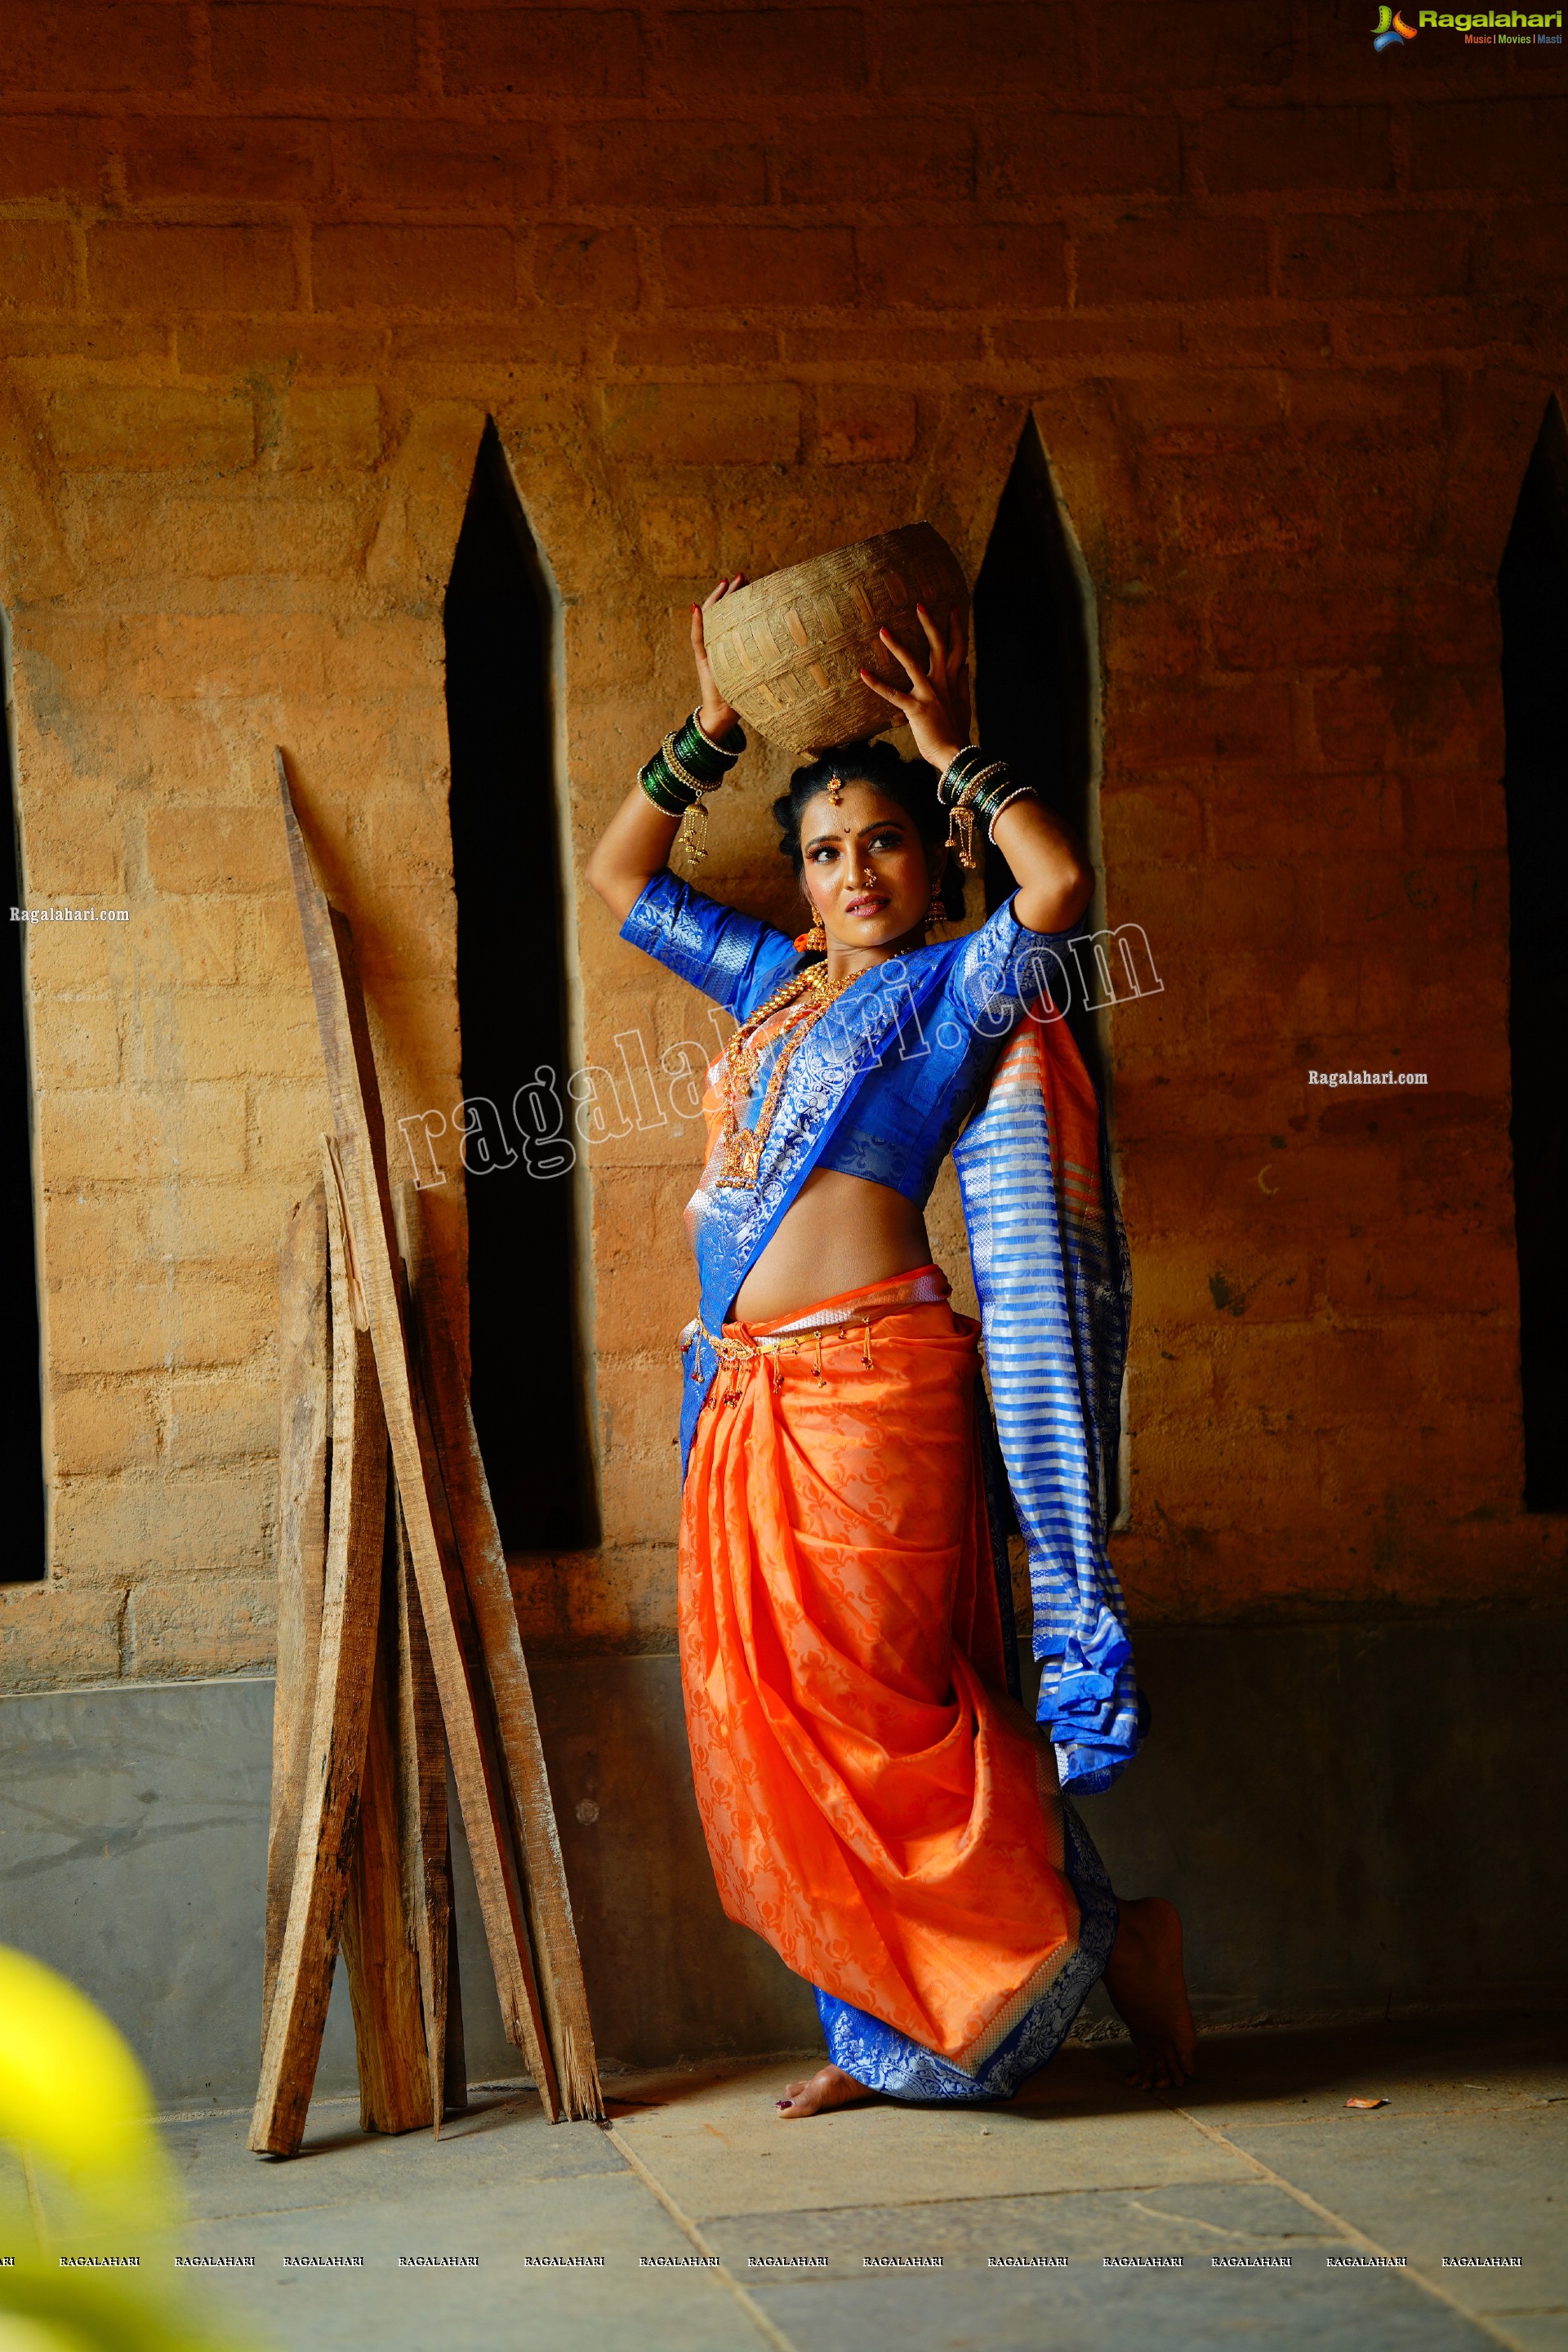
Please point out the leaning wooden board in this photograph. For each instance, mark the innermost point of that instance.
(490, 1588)
(304, 1346)
(425, 1834)
(380, 1928)
(468, 1705)
(340, 1721)
(511, 1889)
(397, 1939)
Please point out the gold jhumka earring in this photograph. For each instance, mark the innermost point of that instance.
(936, 913)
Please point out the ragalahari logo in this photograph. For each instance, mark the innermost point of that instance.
(1392, 30)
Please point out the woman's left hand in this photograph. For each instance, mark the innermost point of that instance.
(936, 704)
(714, 713)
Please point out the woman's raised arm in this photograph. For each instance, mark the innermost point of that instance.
(1056, 880)
(636, 844)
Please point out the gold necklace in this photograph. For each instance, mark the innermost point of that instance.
(741, 1147)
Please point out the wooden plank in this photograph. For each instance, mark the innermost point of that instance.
(464, 1694)
(485, 1573)
(304, 1342)
(457, 2066)
(340, 1719)
(378, 1923)
(506, 1855)
(425, 1842)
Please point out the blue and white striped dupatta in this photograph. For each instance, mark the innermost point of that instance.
(1051, 1271)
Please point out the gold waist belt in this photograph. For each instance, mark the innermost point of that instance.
(800, 1333)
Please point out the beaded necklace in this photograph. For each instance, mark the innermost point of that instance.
(807, 993)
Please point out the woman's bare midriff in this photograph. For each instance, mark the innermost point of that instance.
(841, 1233)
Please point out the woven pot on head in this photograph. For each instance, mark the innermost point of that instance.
(787, 649)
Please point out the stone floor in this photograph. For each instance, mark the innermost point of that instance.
(924, 2230)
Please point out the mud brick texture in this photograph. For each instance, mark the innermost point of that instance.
(737, 284)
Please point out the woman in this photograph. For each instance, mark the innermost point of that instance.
(876, 1804)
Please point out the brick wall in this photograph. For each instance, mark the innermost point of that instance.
(736, 284)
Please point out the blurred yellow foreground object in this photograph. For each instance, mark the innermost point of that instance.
(87, 2210)
(71, 2094)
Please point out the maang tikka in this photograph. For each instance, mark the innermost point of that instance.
(814, 940)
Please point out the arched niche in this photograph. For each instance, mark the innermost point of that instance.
(529, 1386)
(1532, 595)
(25, 1553)
(1037, 706)
(1036, 685)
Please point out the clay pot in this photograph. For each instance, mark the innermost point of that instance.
(787, 649)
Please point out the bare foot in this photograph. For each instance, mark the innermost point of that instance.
(828, 2087)
(1144, 1978)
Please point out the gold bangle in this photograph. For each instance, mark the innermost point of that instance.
(966, 783)
(684, 775)
(716, 748)
(1023, 793)
(970, 787)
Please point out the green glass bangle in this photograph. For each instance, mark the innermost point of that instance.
(964, 774)
(686, 747)
(695, 781)
(728, 748)
(992, 782)
(670, 798)
(973, 788)
(985, 805)
(944, 782)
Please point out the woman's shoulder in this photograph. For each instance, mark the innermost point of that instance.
(732, 956)
(1002, 939)
(989, 973)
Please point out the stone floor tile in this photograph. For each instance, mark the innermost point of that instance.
(505, 2300)
(1080, 2167)
(503, 2137)
(1433, 2184)
(720, 2148)
(1301, 2076)
(1087, 2309)
(1195, 2219)
(1539, 2331)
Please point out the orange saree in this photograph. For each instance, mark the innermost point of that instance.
(874, 1807)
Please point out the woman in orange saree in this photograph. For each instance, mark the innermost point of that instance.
(878, 1804)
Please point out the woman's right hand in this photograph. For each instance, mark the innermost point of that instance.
(935, 704)
(716, 716)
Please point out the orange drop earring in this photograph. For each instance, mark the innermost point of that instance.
(814, 941)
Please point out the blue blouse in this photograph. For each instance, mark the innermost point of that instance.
(966, 994)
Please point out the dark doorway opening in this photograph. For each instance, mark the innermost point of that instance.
(1037, 706)
(1532, 593)
(22, 1423)
(529, 1389)
(1034, 676)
